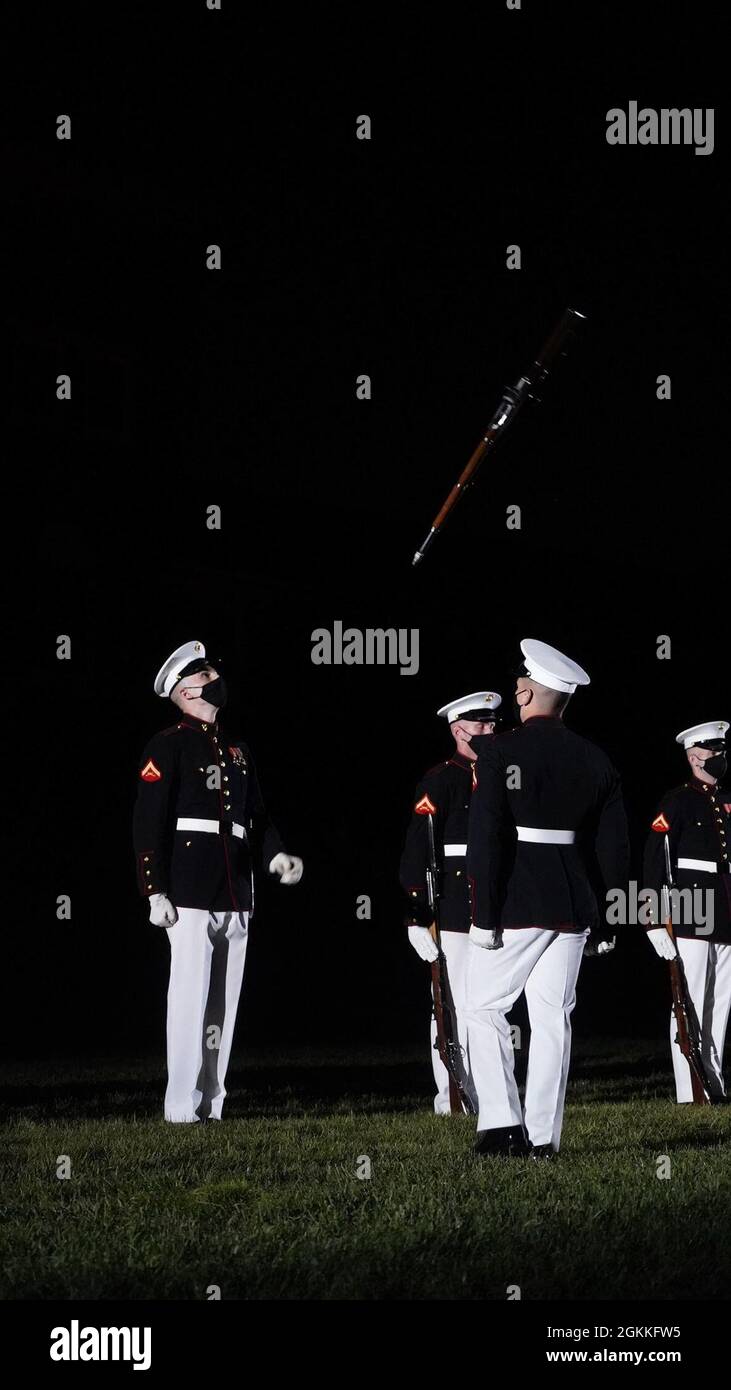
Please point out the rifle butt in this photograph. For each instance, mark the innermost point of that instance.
(698, 1081)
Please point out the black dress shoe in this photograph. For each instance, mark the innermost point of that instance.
(511, 1142)
(539, 1151)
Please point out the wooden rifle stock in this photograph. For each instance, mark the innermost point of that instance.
(513, 397)
(447, 1043)
(685, 1040)
(688, 1035)
(438, 987)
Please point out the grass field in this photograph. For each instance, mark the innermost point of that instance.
(269, 1203)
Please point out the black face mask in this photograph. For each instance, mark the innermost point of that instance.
(716, 766)
(215, 693)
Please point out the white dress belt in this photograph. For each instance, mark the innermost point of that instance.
(708, 866)
(212, 827)
(455, 851)
(537, 836)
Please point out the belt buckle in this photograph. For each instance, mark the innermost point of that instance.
(225, 828)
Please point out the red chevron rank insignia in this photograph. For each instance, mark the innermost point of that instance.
(425, 807)
(150, 773)
(660, 823)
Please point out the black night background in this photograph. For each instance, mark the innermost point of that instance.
(237, 388)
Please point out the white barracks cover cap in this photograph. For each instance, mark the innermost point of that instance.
(703, 733)
(550, 667)
(170, 670)
(480, 704)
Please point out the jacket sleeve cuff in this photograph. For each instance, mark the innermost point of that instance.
(150, 877)
(418, 912)
(271, 845)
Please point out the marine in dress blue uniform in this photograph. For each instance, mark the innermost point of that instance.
(201, 830)
(546, 809)
(696, 818)
(444, 794)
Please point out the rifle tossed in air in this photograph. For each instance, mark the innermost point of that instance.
(528, 387)
(688, 1035)
(447, 1043)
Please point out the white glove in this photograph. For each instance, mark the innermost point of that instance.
(423, 943)
(483, 936)
(604, 947)
(663, 943)
(288, 866)
(162, 912)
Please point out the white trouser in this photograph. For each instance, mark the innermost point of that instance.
(207, 954)
(707, 966)
(455, 947)
(546, 965)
